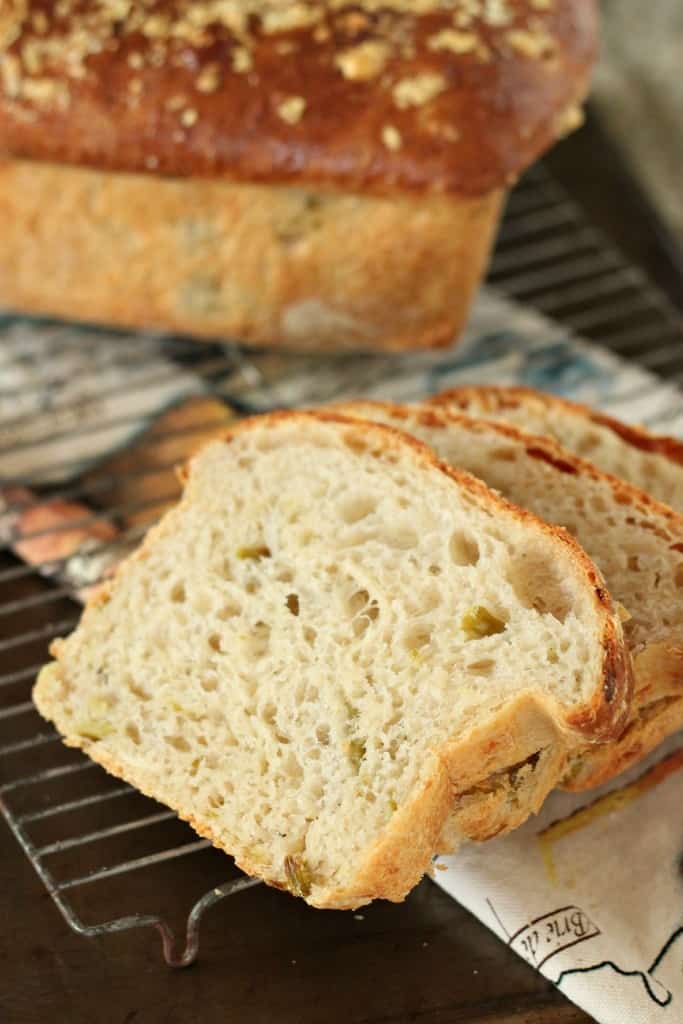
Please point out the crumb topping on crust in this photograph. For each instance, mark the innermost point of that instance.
(435, 63)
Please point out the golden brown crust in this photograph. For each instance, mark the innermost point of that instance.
(499, 398)
(550, 451)
(267, 265)
(657, 713)
(649, 727)
(499, 780)
(389, 95)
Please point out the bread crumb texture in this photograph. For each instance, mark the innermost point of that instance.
(312, 60)
(326, 641)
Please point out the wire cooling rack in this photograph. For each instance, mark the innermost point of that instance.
(91, 839)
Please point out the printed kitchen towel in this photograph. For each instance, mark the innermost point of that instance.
(590, 892)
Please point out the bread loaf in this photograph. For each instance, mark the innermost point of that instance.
(635, 541)
(307, 173)
(330, 638)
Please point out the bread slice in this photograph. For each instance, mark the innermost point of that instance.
(651, 462)
(330, 637)
(635, 541)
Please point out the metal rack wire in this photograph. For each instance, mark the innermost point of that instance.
(547, 256)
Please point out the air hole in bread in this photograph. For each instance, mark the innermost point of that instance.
(354, 441)
(230, 610)
(633, 563)
(645, 524)
(484, 667)
(538, 585)
(284, 576)
(208, 685)
(678, 575)
(357, 508)
(588, 443)
(138, 691)
(259, 639)
(133, 733)
(322, 734)
(292, 767)
(401, 537)
(357, 750)
(230, 738)
(178, 593)
(434, 570)
(292, 603)
(358, 601)
(253, 552)
(416, 637)
(178, 743)
(394, 747)
(464, 549)
(309, 635)
(215, 642)
(363, 611)
(504, 454)
(317, 791)
(268, 714)
(252, 586)
(426, 600)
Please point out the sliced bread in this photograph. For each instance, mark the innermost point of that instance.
(636, 542)
(330, 637)
(650, 462)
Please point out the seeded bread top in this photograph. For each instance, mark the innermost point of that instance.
(380, 95)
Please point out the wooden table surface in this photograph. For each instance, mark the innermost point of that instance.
(266, 958)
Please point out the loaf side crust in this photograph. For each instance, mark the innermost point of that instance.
(267, 265)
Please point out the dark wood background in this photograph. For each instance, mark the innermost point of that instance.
(265, 957)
